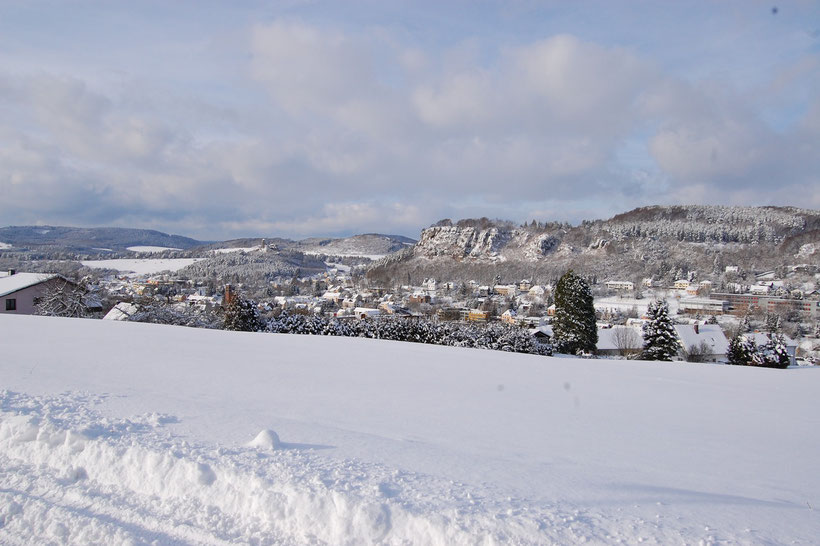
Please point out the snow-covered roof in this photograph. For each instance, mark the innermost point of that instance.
(121, 311)
(19, 281)
(761, 338)
(607, 338)
(710, 333)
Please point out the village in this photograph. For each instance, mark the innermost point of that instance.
(705, 317)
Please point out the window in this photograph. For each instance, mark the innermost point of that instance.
(11, 304)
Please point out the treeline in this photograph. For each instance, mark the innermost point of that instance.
(495, 336)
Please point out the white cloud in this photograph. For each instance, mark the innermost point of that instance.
(330, 129)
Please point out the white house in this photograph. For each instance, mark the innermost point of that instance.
(707, 341)
(620, 341)
(19, 291)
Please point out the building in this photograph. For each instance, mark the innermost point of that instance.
(681, 284)
(619, 285)
(624, 341)
(704, 306)
(509, 317)
(505, 289)
(702, 342)
(740, 304)
(20, 292)
(477, 315)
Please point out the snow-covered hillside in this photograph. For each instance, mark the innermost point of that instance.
(141, 266)
(135, 433)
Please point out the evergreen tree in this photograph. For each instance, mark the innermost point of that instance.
(660, 341)
(574, 328)
(242, 315)
(744, 351)
(739, 353)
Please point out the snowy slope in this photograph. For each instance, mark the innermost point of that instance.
(116, 432)
(141, 266)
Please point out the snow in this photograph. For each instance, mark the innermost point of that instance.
(4, 246)
(711, 334)
(121, 311)
(19, 281)
(141, 266)
(343, 254)
(235, 249)
(116, 432)
(151, 249)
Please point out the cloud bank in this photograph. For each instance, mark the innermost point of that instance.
(296, 127)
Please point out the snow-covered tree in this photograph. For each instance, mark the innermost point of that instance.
(660, 341)
(242, 315)
(574, 325)
(62, 298)
(744, 351)
(739, 352)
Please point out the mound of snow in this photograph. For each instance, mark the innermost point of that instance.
(266, 439)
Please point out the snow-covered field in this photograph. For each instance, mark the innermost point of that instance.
(371, 257)
(235, 249)
(150, 249)
(4, 246)
(141, 266)
(134, 433)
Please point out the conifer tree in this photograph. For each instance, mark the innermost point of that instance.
(574, 327)
(242, 315)
(739, 353)
(660, 341)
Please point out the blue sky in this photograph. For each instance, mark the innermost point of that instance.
(331, 118)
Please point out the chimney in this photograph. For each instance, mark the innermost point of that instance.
(697, 330)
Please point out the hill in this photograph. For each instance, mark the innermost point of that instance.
(124, 432)
(659, 242)
(92, 240)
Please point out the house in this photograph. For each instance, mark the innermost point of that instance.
(477, 315)
(760, 289)
(619, 285)
(505, 289)
(19, 292)
(542, 334)
(121, 311)
(623, 341)
(702, 342)
(509, 317)
(366, 312)
(681, 284)
(419, 297)
(524, 285)
(351, 302)
(536, 291)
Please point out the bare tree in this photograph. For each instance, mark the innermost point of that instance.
(698, 353)
(627, 341)
(62, 298)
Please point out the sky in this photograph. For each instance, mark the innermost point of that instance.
(219, 120)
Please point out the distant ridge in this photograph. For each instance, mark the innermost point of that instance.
(659, 242)
(90, 239)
